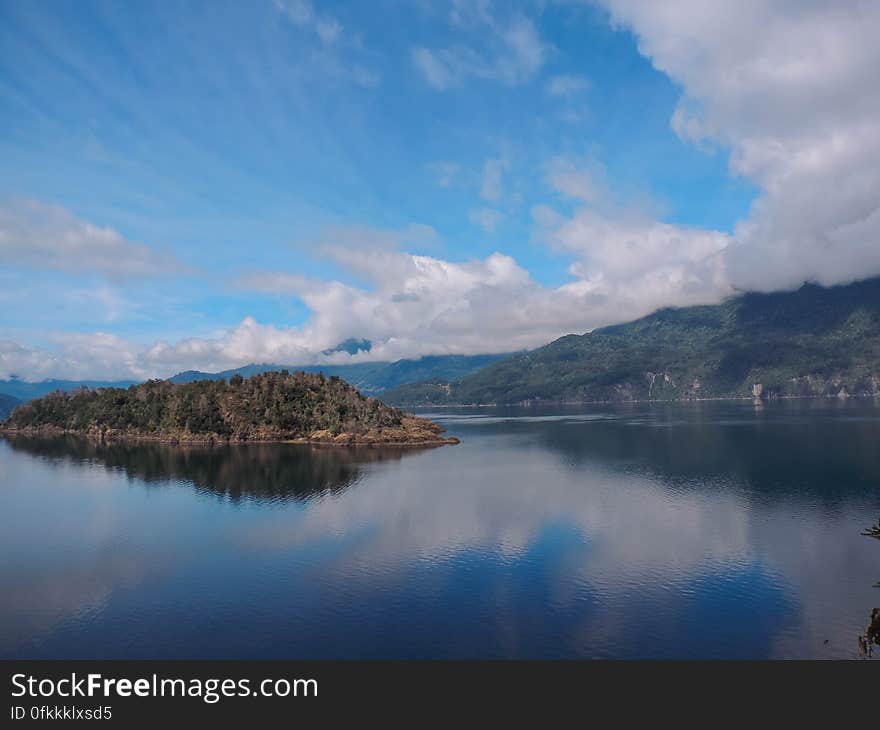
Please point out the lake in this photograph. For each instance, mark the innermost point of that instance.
(722, 530)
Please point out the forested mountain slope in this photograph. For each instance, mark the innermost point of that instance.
(815, 341)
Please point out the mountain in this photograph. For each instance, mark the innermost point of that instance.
(371, 378)
(368, 377)
(7, 403)
(815, 341)
(352, 346)
(25, 391)
(275, 406)
(358, 374)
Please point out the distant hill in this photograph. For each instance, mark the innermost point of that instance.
(7, 403)
(25, 391)
(275, 406)
(370, 377)
(811, 342)
(357, 374)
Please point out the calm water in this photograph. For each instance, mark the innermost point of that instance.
(702, 530)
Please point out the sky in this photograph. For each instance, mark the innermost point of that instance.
(209, 184)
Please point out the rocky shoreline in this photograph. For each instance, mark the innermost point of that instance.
(766, 398)
(413, 431)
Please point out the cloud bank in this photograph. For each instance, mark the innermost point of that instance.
(506, 50)
(788, 88)
(43, 236)
(792, 89)
(408, 305)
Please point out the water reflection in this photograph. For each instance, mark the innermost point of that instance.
(871, 637)
(811, 449)
(712, 531)
(267, 472)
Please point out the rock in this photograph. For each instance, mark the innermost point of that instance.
(872, 633)
(873, 531)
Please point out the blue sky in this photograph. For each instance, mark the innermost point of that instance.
(283, 174)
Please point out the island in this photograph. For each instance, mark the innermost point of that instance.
(273, 406)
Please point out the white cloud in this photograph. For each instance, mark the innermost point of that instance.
(492, 187)
(106, 356)
(433, 68)
(410, 305)
(625, 254)
(510, 52)
(334, 54)
(471, 13)
(95, 355)
(43, 236)
(792, 90)
(565, 177)
(567, 86)
(445, 173)
(632, 257)
(486, 218)
(527, 51)
(302, 13)
(328, 30)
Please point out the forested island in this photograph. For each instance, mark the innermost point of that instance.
(272, 406)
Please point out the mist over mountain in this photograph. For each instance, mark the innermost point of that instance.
(369, 377)
(815, 341)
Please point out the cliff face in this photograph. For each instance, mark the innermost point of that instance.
(690, 386)
(812, 342)
(276, 406)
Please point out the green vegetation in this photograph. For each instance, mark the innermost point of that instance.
(811, 342)
(274, 406)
